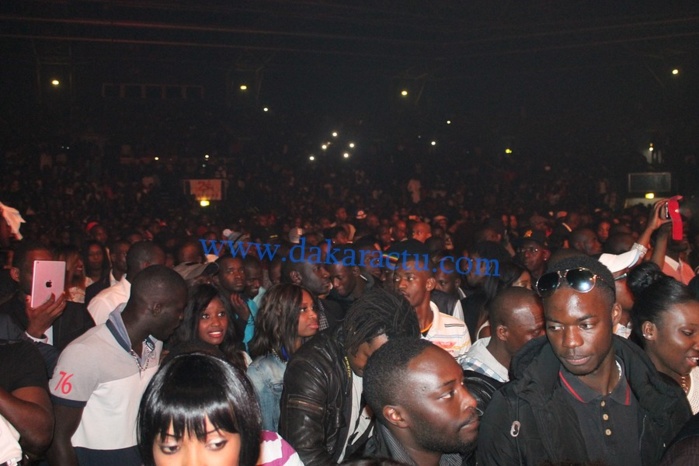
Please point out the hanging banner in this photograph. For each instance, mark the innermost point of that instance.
(211, 190)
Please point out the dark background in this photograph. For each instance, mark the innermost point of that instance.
(545, 78)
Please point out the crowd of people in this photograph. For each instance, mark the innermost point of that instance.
(573, 334)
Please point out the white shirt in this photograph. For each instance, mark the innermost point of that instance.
(479, 359)
(449, 333)
(107, 300)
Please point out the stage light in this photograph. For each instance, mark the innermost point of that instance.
(334, 134)
(675, 72)
(55, 82)
(404, 93)
(324, 147)
(508, 151)
(650, 196)
(204, 203)
(206, 156)
(448, 122)
(346, 155)
(433, 143)
(351, 145)
(157, 158)
(265, 109)
(311, 158)
(243, 87)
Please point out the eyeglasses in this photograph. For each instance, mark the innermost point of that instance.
(581, 280)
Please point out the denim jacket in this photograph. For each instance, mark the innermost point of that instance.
(267, 376)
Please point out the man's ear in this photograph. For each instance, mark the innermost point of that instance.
(394, 415)
(616, 313)
(430, 284)
(14, 274)
(501, 332)
(295, 277)
(547, 255)
(155, 308)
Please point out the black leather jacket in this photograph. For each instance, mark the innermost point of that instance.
(316, 402)
(529, 422)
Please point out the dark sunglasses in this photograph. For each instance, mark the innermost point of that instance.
(580, 279)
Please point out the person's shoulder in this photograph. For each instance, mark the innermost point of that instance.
(117, 288)
(274, 450)
(326, 340)
(534, 371)
(318, 357)
(86, 343)
(20, 350)
(9, 328)
(444, 323)
(263, 365)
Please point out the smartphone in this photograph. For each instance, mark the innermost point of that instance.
(664, 212)
(49, 278)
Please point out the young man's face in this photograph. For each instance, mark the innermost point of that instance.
(343, 279)
(438, 409)
(533, 256)
(589, 244)
(316, 278)
(413, 282)
(422, 232)
(253, 280)
(579, 328)
(447, 280)
(232, 275)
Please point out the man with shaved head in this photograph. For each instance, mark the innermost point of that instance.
(585, 240)
(420, 231)
(426, 416)
(100, 377)
(139, 256)
(516, 316)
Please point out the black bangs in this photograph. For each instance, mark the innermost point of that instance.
(196, 393)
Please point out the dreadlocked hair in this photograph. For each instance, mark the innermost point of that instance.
(378, 312)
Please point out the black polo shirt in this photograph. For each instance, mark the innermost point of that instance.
(608, 423)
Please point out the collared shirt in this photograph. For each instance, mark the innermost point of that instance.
(98, 373)
(680, 271)
(608, 423)
(107, 300)
(449, 333)
(250, 324)
(480, 360)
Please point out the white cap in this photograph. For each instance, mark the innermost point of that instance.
(617, 262)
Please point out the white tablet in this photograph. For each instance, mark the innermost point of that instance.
(49, 277)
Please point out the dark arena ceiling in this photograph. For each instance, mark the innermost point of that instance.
(482, 59)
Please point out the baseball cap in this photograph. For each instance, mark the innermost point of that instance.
(536, 236)
(618, 262)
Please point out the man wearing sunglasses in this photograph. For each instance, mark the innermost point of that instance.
(581, 395)
(534, 252)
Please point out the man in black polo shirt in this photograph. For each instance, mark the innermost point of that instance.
(581, 395)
